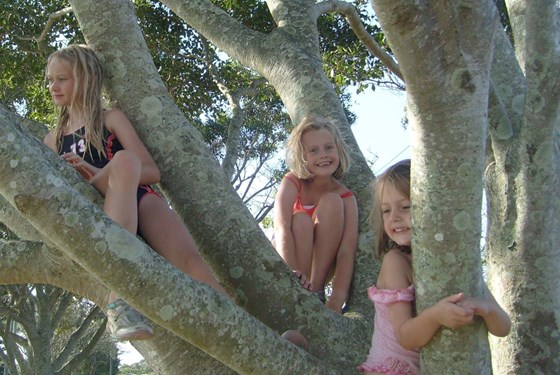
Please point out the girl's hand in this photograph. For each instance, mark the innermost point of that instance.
(80, 165)
(479, 307)
(497, 320)
(451, 314)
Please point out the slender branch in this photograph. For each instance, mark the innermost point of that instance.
(351, 14)
(75, 338)
(86, 351)
(64, 301)
(50, 22)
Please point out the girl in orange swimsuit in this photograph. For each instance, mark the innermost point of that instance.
(315, 215)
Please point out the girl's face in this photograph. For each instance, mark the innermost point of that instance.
(320, 152)
(61, 81)
(395, 208)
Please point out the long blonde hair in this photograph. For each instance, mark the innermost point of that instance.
(87, 72)
(295, 152)
(398, 175)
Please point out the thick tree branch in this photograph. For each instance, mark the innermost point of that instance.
(216, 25)
(190, 309)
(445, 67)
(542, 69)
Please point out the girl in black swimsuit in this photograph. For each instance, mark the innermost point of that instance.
(104, 148)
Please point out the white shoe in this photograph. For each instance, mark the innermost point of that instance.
(126, 323)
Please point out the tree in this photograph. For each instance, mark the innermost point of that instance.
(136, 369)
(493, 112)
(46, 331)
(458, 78)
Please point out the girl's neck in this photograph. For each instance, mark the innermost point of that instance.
(72, 127)
(323, 182)
(75, 121)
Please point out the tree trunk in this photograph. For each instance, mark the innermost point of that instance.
(446, 69)
(523, 186)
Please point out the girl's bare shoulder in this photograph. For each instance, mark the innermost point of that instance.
(397, 256)
(50, 140)
(340, 187)
(113, 114)
(396, 270)
(291, 175)
(115, 119)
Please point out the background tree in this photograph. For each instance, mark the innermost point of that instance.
(42, 334)
(140, 368)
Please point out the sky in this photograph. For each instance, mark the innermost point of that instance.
(379, 134)
(378, 129)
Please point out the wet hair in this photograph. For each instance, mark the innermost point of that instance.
(86, 101)
(398, 175)
(295, 152)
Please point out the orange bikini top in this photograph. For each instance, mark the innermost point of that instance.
(308, 209)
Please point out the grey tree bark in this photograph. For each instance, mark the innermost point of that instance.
(454, 56)
(523, 184)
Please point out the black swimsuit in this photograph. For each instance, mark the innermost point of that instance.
(76, 143)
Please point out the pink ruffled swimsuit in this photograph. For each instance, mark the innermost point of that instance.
(386, 355)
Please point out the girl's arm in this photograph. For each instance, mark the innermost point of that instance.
(283, 237)
(118, 124)
(416, 332)
(50, 140)
(345, 256)
(87, 170)
(497, 320)
(413, 332)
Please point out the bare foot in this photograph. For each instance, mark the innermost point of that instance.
(295, 338)
(303, 280)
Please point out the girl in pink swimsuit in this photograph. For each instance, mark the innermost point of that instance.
(398, 331)
(315, 215)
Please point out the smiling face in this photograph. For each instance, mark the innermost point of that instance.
(61, 81)
(395, 208)
(321, 153)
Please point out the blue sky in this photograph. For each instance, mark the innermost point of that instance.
(378, 128)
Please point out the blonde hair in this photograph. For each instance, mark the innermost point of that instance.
(87, 73)
(295, 152)
(398, 175)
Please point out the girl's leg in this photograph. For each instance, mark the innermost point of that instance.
(302, 231)
(329, 225)
(166, 233)
(118, 182)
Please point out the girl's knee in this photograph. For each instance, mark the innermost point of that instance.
(126, 164)
(331, 201)
(302, 223)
